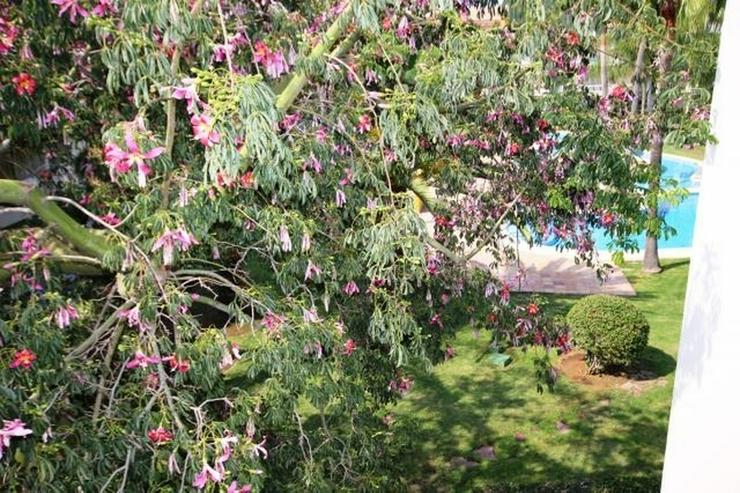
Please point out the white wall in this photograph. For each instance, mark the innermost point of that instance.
(703, 451)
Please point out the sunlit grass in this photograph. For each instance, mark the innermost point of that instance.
(466, 403)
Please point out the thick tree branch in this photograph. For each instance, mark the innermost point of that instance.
(85, 240)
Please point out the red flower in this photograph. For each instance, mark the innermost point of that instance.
(24, 84)
(543, 125)
(533, 309)
(24, 358)
(177, 364)
(247, 180)
(607, 219)
(159, 435)
(349, 347)
(572, 38)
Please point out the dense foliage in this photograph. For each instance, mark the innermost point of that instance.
(612, 331)
(226, 279)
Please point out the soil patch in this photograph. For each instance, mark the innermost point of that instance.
(634, 380)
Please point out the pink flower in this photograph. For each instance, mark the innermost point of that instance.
(349, 347)
(261, 52)
(103, 8)
(172, 464)
(449, 353)
(312, 270)
(364, 124)
(403, 30)
(348, 177)
(276, 64)
(321, 135)
(313, 163)
(8, 33)
(619, 92)
(258, 449)
(24, 84)
(235, 488)
(340, 198)
(65, 315)
(285, 242)
(310, 316)
(187, 93)
(12, 429)
(159, 435)
(141, 360)
(177, 364)
(437, 320)
(272, 322)
(179, 238)
(221, 52)
(350, 288)
(305, 243)
(72, 8)
(205, 475)
(111, 219)
(122, 161)
(23, 358)
(203, 130)
(133, 317)
(290, 121)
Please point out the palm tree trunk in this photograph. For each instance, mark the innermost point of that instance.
(637, 79)
(651, 261)
(603, 66)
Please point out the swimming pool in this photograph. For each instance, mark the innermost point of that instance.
(682, 216)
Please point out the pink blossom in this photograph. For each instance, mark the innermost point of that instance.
(313, 163)
(349, 347)
(348, 177)
(8, 33)
(177, 364)
(364, 124)
(350, 288)
(276, 64)
(141, 360)
(449, 353)
(261, 52)
(179, 238)
(403, 30)
(235, 488)
(321, 135)
(23, 358)
(437, 320)
(314, 347)
(186, 92)
(222, 52)
(290, 121)
(133, 317)
(103, 8)
(258, 449)
(310, 316)
(340, 198)
(159, 435)
(305, 243)
(272, 322)
(111, 218)
(65, 315)
(401, 385)
(31, 249)
(72, 8)
(121, 161)
(203, 130)
(205, 475)
(285, 242)
(172, 464)
(312, 270)
(12, 429)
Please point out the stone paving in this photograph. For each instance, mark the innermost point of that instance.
(548, 271)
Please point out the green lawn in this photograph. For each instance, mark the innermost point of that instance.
(694, 153)
(613, 437)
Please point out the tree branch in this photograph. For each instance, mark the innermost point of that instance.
(85, 240)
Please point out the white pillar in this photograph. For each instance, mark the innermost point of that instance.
(703, 451)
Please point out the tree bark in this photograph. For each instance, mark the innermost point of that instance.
(603, 66)
(637, 79)
(651, 261)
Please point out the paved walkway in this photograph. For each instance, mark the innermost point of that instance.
(545, 270)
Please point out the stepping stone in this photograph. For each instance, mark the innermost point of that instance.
(485, 453)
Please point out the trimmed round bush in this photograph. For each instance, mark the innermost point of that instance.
(611, 330)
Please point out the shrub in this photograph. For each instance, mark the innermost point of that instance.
(611, 330)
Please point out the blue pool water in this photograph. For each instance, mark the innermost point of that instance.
(682, 216)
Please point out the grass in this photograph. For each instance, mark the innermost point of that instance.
(693, 153)
(613, 435)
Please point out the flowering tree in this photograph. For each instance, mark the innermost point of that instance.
(265, 161)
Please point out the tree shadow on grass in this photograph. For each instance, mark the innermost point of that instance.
(459, 414)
